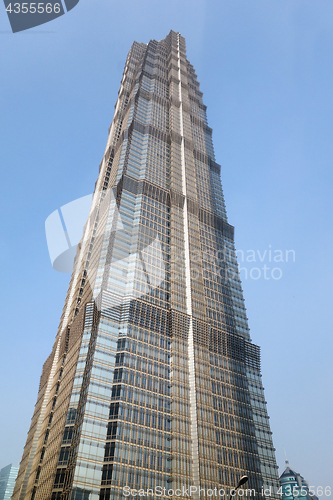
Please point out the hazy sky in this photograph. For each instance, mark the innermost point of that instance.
(265, 67)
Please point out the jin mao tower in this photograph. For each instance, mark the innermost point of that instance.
(153, 380)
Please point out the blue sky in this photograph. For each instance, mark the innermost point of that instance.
(265, 67)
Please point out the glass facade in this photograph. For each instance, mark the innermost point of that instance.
(7, 481)
(153, 380)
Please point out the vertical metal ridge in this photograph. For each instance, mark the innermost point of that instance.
(191, 357)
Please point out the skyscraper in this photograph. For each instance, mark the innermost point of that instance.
(8, 476)
(153, 380)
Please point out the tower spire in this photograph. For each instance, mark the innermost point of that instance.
(285, 454)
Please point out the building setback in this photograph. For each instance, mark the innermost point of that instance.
(153, 379)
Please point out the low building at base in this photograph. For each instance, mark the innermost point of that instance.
(294, 486)
(8, 477)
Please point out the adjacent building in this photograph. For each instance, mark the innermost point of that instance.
(153, 379)
(8, 476)
(294, 486)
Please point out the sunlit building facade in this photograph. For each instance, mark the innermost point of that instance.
(153, 380)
